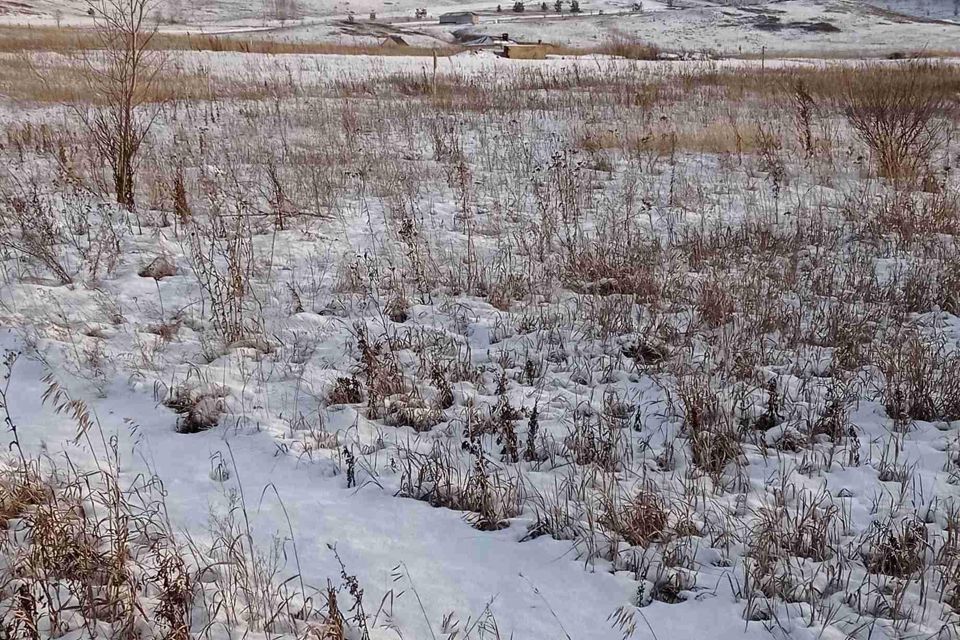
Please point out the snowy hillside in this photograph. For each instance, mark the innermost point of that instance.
(932, 9)
(847, 27)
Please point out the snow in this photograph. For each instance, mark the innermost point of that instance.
(281, 441)
(536, 589)
(691, 25)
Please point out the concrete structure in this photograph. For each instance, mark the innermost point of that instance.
(526, 51)
(459, 17)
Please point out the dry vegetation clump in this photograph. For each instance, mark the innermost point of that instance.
(897, 548)
(83, 552)
(346, 391)
(922, 380)
(438, 477)
(714, 437)
(806, 525)
(199, 408)
(29, 80)
(68, 568)
(795, 531)
(912, 217)
(630, 48)
(640, 520)
(382, 374)
(595, 440)
(622, 265)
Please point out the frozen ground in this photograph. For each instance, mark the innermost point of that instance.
(528, 342)
(455, 568)
(817, 27)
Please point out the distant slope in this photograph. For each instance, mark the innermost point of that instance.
(749, 27)
(932, 9)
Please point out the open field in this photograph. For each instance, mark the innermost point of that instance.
(832, 28)
(383, 347)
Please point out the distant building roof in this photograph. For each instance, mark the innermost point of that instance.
(459, 17)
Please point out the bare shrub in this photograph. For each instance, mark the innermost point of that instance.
(715, 304)
(910, 216)
(949, 286)
(627, 265)
(75, 556)
(121, 72)
(902, 113)
(380, 369)
(40, 232)
(68, 232)
(805, 108)
(947, 559)
(714, 449)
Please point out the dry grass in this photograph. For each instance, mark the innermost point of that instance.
(619, 45)
(894, 53)
(83, 550)
(23, 39)
(691, 280)
(717, 138)
(61, 81)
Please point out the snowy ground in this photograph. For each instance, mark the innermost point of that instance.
(809, 27)
(778, 28)
(539, 343)
(454, 568)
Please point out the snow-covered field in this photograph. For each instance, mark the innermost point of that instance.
(813, 28)
(577, 348)
(809, 27)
